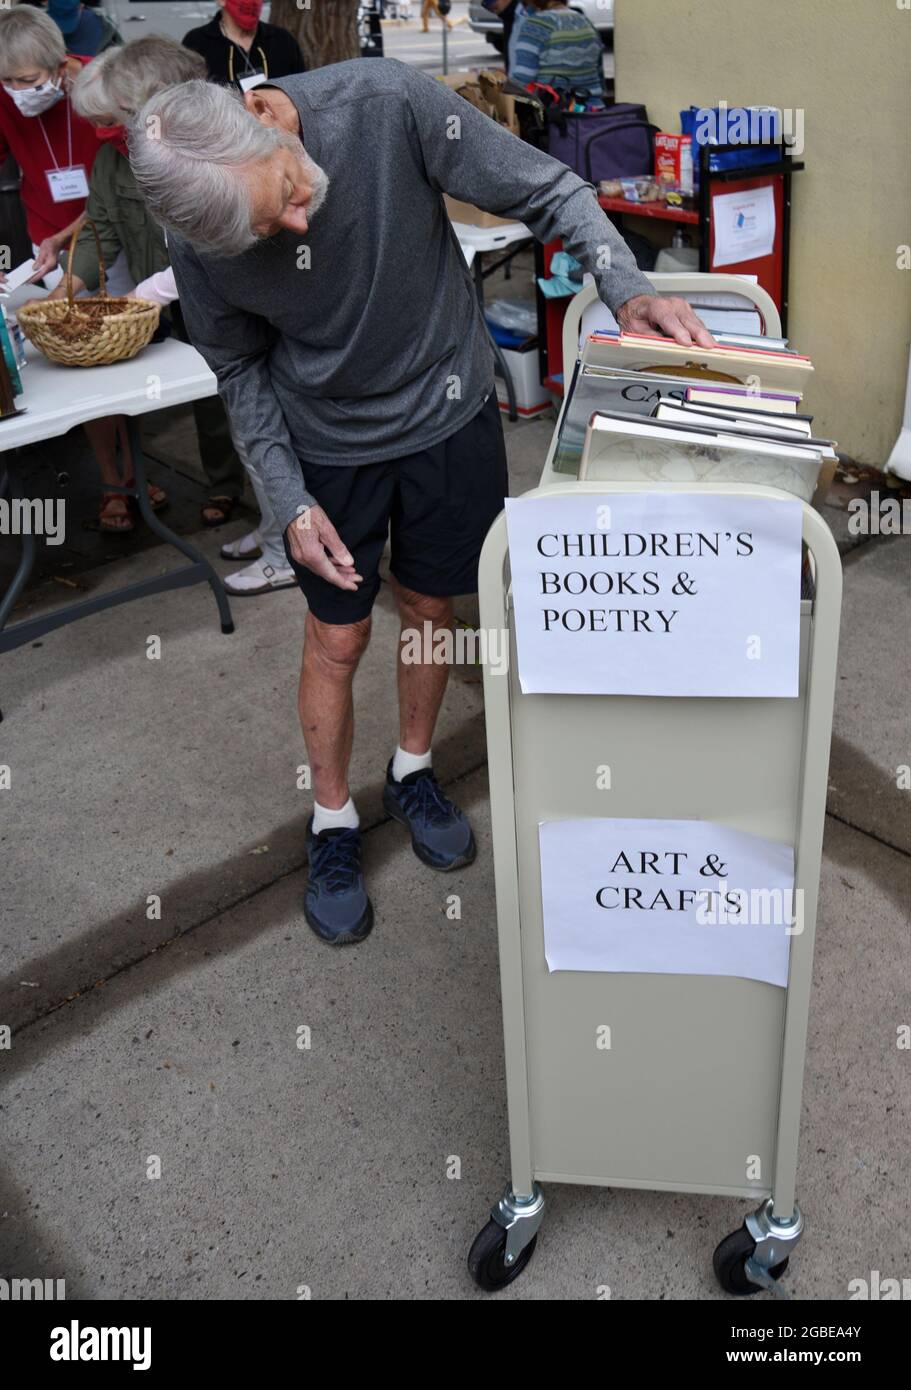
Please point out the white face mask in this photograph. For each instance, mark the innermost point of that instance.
(32, 101)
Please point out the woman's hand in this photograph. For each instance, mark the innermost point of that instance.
(47, 258)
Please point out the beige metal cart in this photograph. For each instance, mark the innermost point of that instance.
(711, 1067)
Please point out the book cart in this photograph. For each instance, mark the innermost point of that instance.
(711, 1067)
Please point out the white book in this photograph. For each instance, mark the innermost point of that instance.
(720, 419)
(778, 405)
(629, 448)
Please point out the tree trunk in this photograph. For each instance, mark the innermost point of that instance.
(325, 29)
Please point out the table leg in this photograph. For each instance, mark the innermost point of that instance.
(153, 523)
(497, 351)
(199, 569)
(9, 488)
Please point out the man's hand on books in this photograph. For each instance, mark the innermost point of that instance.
(315, 543)
(673, 317)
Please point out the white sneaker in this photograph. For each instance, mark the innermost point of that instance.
(259, 578)
(248, 547)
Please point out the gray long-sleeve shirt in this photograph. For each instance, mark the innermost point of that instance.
(363, 340)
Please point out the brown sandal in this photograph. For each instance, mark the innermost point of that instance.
(158, 498)
(115, 514)
(222, 506)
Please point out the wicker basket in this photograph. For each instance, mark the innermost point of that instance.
(90, 332)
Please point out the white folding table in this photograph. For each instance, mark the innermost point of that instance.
(56, 398)
(476, 240)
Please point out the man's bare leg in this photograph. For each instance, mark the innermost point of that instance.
(421, 684)
(331, 655)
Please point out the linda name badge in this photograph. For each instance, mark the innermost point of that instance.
(67, 184)
(656, 593)
(668, 897)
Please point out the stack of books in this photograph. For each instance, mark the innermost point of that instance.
(647, 407)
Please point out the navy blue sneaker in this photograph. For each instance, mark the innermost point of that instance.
(336, 904)
(440, 833)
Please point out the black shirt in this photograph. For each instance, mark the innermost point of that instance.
(274, 51)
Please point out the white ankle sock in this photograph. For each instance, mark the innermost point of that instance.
(403, 763)
(345, 818)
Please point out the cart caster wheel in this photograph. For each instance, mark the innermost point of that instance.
(486, 1258)
(729, 1262)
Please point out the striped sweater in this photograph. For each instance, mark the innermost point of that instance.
(561, 49)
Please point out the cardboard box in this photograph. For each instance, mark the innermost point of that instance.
(475, 217)
(496, 104)
(674, 161)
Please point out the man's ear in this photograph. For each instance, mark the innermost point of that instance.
(259, 104)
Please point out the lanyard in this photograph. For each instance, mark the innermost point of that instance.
(69, 137)
(249, 67)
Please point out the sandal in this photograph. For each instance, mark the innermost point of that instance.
(115, 513)
(158, 498)
(223, 507)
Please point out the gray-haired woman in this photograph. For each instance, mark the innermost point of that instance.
(109, 92)
(54, 147)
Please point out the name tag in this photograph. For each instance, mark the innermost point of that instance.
(67, 184)
(252, 79)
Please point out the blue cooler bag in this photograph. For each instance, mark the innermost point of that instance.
(735, 125)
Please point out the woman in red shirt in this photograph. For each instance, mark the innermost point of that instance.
(53, 146)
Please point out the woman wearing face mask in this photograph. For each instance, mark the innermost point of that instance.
(54, 147)
(237, 47)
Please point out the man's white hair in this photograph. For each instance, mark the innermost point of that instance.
(189, 149)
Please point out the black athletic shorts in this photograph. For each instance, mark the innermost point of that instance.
(439, 505)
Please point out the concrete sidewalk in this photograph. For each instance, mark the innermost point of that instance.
(178, 1037)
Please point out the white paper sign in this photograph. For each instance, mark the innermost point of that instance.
(744, 225)
(666, 897)
(656, 593)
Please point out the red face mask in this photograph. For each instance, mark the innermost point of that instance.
(245, 13)
(117, 136)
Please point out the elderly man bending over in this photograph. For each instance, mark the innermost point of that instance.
(321, 280)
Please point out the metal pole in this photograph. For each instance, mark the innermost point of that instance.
(445, 47)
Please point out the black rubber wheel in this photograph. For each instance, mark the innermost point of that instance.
(486, 1262)
(729, 1263)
